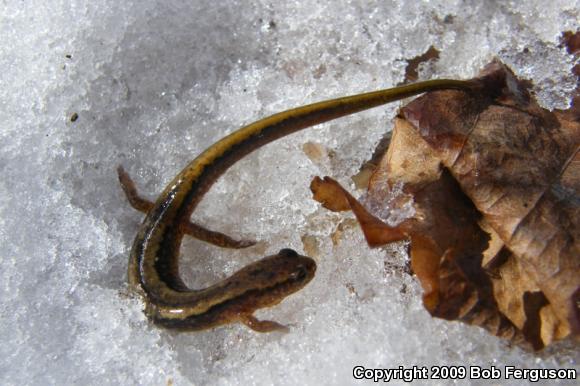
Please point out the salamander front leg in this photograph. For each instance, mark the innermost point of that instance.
(194, 230)
(262, 325)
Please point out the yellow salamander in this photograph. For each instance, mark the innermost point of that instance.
(153, 264)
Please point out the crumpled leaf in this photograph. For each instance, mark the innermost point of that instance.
(495, 183)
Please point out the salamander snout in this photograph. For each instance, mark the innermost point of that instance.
(305, 270)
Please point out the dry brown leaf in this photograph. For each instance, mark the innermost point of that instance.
(495, 180)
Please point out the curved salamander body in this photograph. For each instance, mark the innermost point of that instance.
(153, 264)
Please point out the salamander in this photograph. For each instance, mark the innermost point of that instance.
(153, 265)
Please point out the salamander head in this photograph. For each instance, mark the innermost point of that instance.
(269, 280)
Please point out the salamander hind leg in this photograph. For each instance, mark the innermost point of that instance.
(136, 201)
(262, 325)
(194, 230)
(216, 238)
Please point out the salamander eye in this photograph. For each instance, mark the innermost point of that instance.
(287, 252)
(299, 274)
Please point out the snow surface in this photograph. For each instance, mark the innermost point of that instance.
(154, 83)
